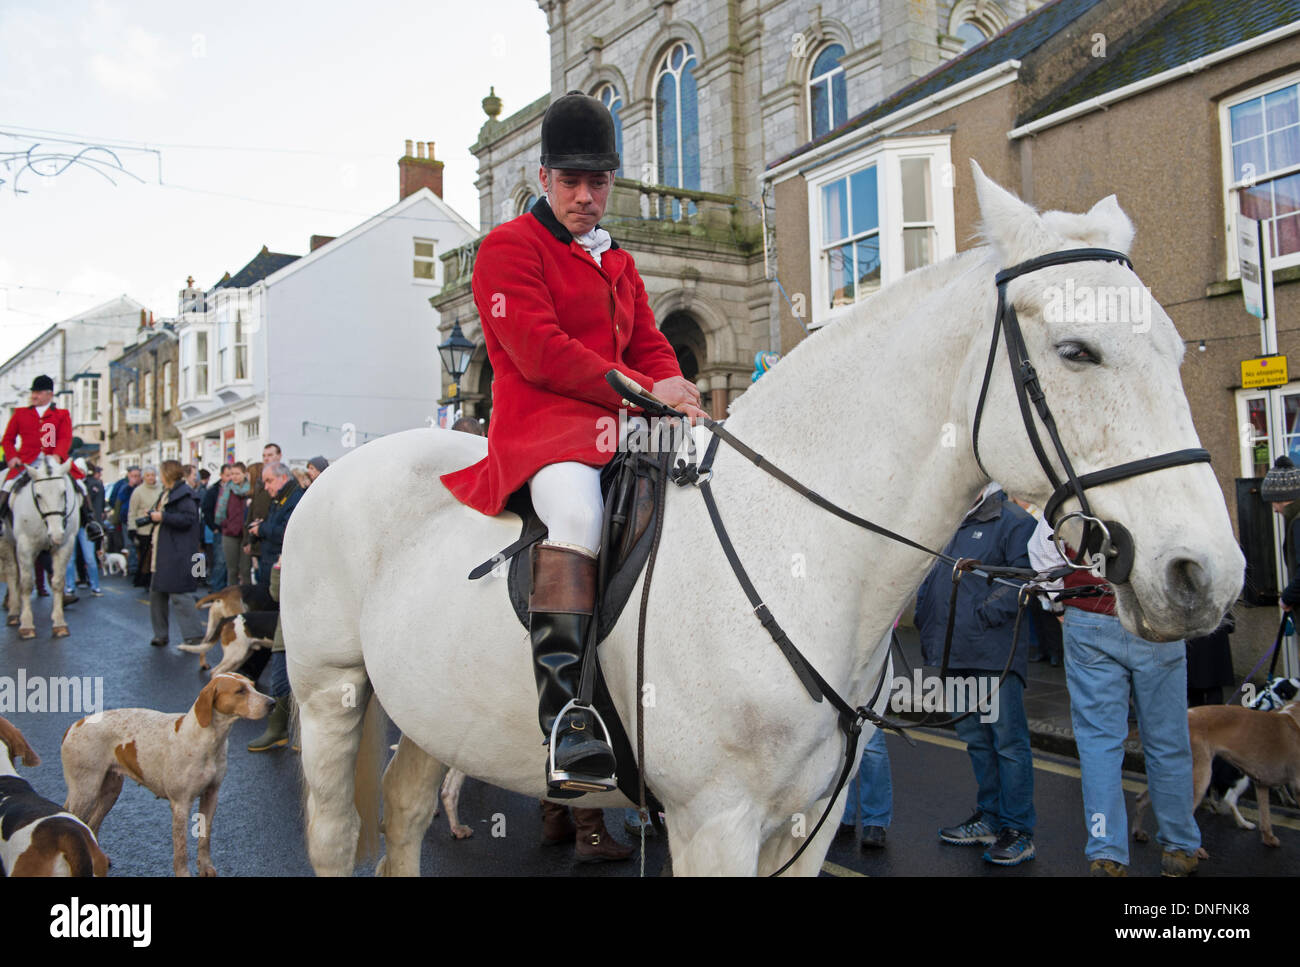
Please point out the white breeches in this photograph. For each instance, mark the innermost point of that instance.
(567, 498)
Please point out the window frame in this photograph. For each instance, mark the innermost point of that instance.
(1231, 184)
(887, 156)
(663, 66)
(431, 260)
(617, 103)
(827, 78)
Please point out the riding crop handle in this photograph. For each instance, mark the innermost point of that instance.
(632, 392)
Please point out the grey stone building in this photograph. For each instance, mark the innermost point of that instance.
(142, 403)
(706, 94)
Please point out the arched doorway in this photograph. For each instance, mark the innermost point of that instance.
(687, 339)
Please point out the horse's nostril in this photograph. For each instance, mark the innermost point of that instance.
(1188, 582)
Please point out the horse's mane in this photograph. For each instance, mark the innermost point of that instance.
(891, 302)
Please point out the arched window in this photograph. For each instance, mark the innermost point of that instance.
(970, 34)
(612, 99)
(527, 200)
(827, 96)
(677, 121)
(971, 22)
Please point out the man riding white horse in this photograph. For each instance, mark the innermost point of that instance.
(36, 429)
(561, 304)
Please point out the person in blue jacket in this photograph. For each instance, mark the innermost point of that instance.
(995, 531)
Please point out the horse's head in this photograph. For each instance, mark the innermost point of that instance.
(1107, 358)
(53, 496)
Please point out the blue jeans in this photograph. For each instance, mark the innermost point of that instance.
(871, 793)
(92, 571)
(1000, 754)
(218, 565)
(279, 676)
(1104, 664)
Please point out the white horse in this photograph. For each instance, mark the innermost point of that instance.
(46, 516)
(875, 412)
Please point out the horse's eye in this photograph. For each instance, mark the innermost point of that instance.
(1077, 352)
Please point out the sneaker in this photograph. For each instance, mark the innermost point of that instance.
(873, 837)
(1107, 868)
(974, 832)
(1175, 862)
(1012, 848)
(97, 592)
(632, 824)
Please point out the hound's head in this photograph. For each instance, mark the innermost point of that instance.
(233, 695)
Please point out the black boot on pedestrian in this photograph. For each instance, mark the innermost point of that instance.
(560, 607)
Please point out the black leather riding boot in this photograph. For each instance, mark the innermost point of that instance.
(560, 610)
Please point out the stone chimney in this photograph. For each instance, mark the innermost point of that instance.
(418, 171)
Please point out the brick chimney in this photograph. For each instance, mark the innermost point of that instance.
(418, 171)
(318, 240)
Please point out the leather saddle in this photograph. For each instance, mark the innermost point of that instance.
(629, 483)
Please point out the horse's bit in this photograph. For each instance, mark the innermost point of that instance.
(1110, 539)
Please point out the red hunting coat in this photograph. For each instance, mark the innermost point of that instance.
(554, 322)
(51, 433)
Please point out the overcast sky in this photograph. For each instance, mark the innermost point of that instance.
(272, 121)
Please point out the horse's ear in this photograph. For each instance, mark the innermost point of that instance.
(65, 466)
(1104, 226)
(1007, 223)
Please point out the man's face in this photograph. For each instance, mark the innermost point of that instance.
(578, 198)
(312, 472)
(42, 397)
(133, 478)
(270, 454)
(150, 477)
(272, 483)
(225, 474)
(236, 475)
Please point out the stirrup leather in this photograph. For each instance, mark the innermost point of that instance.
(576, 782)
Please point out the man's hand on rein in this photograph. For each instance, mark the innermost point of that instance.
(681, 394)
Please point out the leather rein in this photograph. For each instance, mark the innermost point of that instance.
(1107, 545)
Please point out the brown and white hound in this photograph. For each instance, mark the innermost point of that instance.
(179, 758)
(37, 837)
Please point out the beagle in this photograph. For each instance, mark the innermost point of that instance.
(179, 758)
(37, 838)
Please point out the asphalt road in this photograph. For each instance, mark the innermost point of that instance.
(258, 830)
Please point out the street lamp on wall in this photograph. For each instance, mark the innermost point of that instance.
(456, 352)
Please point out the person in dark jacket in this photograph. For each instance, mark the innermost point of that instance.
(1281, 490)
(285, 494)
(994, 531)
(177, 557)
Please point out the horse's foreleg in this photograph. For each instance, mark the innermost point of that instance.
(60, 557)
(410, 796)
(785, 843)
(26, 584)
(331, 713)
(725, 844)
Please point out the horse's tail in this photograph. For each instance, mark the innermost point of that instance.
(367, 793)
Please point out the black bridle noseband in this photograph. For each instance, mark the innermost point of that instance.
(1105, 543)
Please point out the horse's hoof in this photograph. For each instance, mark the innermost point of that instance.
(12, 621)
(60, 631)
(208, 871)
(26, 632)
(1141, 835)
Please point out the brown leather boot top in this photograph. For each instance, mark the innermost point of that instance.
(564, 580)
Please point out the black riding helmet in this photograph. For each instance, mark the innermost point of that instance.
(578, 133)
